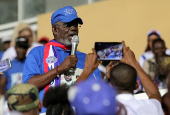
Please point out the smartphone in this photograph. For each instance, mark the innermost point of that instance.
(5, 65)
(109, 50)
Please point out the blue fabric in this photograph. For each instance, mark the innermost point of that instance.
(14, 75)
(1, 54)
(93, 98)
(140, 88)
(143, 57)
(65, 14)
(34, 65)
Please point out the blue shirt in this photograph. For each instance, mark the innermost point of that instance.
(14, 75)
(1, 54)
(34, 66)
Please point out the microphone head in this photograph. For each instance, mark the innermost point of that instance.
(75, 39)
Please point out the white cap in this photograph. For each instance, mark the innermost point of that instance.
(5, 39)
(154, 31)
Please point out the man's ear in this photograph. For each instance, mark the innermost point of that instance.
(40, 106)
(54, 30)
(137, 85)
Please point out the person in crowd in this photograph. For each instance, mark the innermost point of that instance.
(93, 97)
(108, 66)
(5, 44)
(123, 77)
(152, 35)
(153, 67)
(162, 72)
(46, 64)
(43, 40)
(24, 99)
(1, 100)
(166, 99)
(56, 101)
(23, 30)
(13, 76)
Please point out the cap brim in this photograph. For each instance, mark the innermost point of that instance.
(66, 20)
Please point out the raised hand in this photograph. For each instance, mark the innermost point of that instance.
(128, 56)
(91, 62)
(109, 68)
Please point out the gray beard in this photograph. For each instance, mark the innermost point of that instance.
(65, 41)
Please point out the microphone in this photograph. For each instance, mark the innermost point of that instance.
(74, 42)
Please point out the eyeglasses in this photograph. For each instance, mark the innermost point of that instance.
(69, 25)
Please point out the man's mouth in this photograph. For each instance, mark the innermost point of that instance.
(71, 36)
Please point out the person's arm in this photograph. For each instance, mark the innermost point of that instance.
(166, 103)
(150, 89)
(3, 81)
(43, 80)
(91, 64)
(109, 68)
(166, 98)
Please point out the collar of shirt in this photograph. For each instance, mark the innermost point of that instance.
(125, 96)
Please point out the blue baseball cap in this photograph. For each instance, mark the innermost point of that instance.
(65, 14)
(93, 97)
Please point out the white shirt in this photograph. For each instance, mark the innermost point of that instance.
(140, 107)
(149, 55)
(11, 53)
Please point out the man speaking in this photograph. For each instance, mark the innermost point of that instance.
(46, 65)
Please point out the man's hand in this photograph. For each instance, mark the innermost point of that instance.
(150, 88)
(128, 56)
(3, 82)
(109, 68)
(91, 62)
(1, 74)
(69, 62)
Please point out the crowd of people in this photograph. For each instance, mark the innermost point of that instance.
(40, 82)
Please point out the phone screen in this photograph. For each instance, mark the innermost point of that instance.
(5, 65)
(109, 50)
